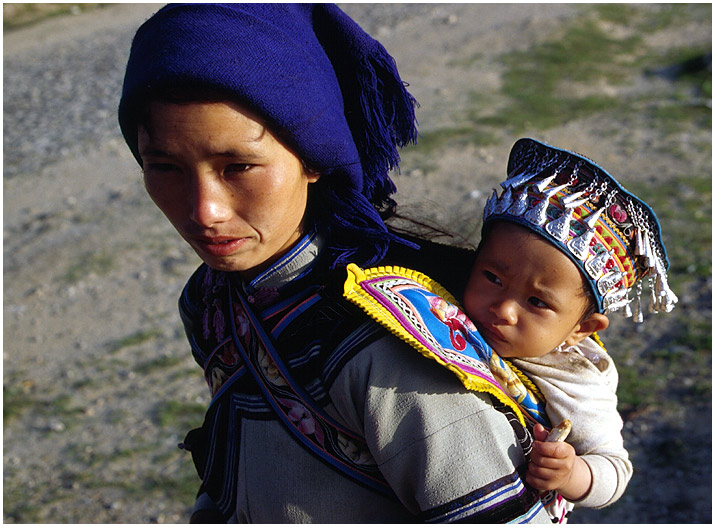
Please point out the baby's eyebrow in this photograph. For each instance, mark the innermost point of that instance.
(496, 264)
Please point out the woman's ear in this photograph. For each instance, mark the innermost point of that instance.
(587, 327)
(312, 176)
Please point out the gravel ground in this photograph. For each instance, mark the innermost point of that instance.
(99, 386)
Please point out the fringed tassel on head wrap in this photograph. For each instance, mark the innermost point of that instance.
(352, 221)
(379, 110)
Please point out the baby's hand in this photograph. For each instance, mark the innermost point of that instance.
(552, 463)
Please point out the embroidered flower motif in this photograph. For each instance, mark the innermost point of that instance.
(454, 319)
(303, 419)
(229, 355)
(216, 380)
(617, 213)
(268, 367)
(354, 451)
(445, 311)
(219, 322)
(241, 320)
(265, 295)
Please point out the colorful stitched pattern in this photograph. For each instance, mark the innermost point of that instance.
(423, 314)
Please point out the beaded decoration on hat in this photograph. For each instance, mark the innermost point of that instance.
(611, 235)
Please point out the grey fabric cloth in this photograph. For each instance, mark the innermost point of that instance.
(433, 440)
(580, 384)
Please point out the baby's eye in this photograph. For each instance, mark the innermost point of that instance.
(537, 302)
(491, 277)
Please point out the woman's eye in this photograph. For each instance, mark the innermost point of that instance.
(236, 168)
(491, 277)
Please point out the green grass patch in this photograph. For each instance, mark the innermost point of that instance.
(15, 401)
(433, 140)
(99, 263)
(158, 363)
(543, 83)
(635, 390)
(139, 337)
(19, 15)
(580, 72)
(180, 415)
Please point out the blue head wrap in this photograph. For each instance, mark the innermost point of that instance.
(325, 87)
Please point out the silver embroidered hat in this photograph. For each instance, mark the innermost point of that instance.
(612, 236)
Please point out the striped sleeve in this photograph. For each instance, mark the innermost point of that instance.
(505, 500)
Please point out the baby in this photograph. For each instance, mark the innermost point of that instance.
(562, 248)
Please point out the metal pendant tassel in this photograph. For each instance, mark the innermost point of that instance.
(559, 228)
(580, 245)
(594, 265)
(638, 312)
(504, 202)
(627, 311)
(537, 215)
(653, 307)
(640, 251)
(491, 205)
(517, 179)
(521, 203)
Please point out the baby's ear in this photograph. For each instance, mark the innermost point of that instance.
(587, 327)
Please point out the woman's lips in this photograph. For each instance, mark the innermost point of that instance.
(220, 246)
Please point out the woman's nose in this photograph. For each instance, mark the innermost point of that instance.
(505, 309)
(210, 201)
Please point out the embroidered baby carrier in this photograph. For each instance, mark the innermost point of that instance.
(422, 313)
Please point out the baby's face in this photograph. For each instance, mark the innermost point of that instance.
(524, 295)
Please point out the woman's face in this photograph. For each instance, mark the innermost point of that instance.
(231, 189)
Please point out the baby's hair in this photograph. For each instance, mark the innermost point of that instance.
(591, 306)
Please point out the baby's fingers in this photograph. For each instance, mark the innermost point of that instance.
(541, 483)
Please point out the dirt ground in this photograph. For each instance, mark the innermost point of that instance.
(99, 385)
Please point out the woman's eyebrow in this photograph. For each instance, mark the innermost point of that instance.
(154, 152)
(230, 153)
(242, 154)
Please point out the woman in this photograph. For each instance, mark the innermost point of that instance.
(266, 134)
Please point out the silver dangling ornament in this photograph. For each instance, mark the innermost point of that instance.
(580, 245)
(606, 282)
(594, 265)
(638, 311)
(615, 300)
(504, 202)
(537, 215)
(491, 204)
(517, 180)
(520, 203)
(560, 227)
